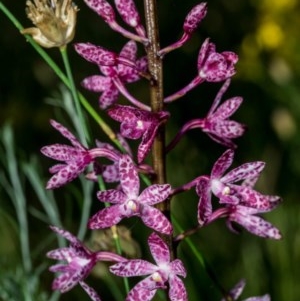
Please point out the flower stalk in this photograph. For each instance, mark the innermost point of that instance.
(155, 67)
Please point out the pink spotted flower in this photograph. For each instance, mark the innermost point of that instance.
(77, 263)
(127, 201)
(136, 123)
(212, 67)
(114, 77)
(75, 158)
(216, 124)
(242, 202)
(161, 273)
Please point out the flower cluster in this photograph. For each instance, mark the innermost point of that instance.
(237, 200)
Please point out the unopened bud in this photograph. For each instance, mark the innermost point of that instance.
(103, 9)
(128, 12)
(194, 17)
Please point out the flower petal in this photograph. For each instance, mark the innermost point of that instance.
(96, 83)
(155, 194)
(65, 175)
(111, 196)
(62, 152)
(90, 291)
(222, 164)
(204, 205)
(105, 218)
(129, 179)
(244, 171)
(67, 134)
(178, 268)
(155, 219)
(177, 291)
(108, 97)
(134, 267)
(227, 108)
(144, 290)
(255, 224)
(158, 248)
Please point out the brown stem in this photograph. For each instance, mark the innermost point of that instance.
(155, 67)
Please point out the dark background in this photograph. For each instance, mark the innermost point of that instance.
(265, 35)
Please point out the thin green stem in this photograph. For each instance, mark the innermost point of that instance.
(200, 259)
(84, 134)
(115, 234)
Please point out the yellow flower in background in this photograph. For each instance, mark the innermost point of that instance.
(269, 35)
(55, 21)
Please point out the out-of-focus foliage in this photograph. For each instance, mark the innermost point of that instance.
(265, 34)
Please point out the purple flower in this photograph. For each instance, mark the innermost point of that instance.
(78, 262)
(136, 123)
(237, 290)
(242, 201)
(216, 124)
(163, 272)
(244, 216)
(194, 17)
(127, 202)
(76, 158)
(114, 76)
(214, 66)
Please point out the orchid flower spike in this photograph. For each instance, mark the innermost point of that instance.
(128, 202)
(164, 271)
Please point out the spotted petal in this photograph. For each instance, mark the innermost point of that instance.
(144, 290)
(96, 83)
(105, 218)
(90, 291)
(66, 175)
(177, 291)
(155, 219)
(129, 177)
(62, 152)
(111, 196)
(67, 134)
(227, 108)
(155, 194)
(254, 224)
(158, 248)
(244, 171)
(222, 164)
(204, 205)
(134, 267)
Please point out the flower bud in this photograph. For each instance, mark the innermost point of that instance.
(194, 17)
(128, 12)
(103, 9)
(55, 22)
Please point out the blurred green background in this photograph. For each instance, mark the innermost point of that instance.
(266, 36)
